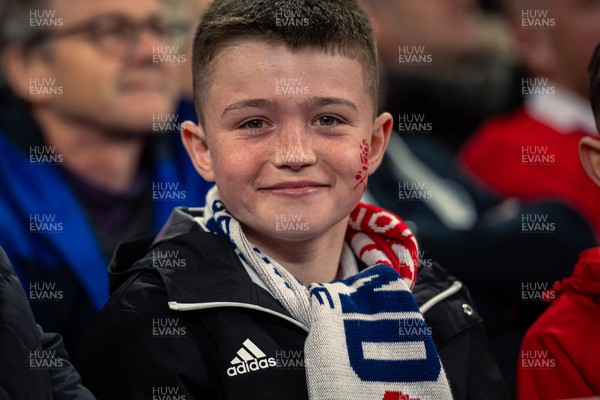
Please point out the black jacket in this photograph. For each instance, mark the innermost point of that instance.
(458, 333)
(33, 365)
(182, 329)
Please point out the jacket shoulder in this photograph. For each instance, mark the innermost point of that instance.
(458, 333)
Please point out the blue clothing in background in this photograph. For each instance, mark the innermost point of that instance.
(50, 236)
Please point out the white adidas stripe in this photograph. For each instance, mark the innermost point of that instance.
(248, 352)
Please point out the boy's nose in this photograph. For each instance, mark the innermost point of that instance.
(294, 148)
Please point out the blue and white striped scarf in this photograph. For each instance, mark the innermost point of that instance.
(367, 338)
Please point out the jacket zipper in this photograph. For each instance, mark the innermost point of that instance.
(454, 288)
(176, 306)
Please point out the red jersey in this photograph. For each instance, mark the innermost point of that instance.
(519, 156)
(560, 355)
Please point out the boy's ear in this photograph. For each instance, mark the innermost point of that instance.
(194, 140)
(382, 128)
(589, 152)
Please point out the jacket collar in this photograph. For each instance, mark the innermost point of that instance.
(195, 266)
(564, 111)
(585, 278)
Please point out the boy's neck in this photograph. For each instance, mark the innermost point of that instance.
(312, 260)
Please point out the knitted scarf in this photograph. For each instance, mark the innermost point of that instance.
(367, 338)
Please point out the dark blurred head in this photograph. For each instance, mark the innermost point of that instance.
(594, 70)
(589, 147)
(446, 28)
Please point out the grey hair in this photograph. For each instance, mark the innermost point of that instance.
(15, 26)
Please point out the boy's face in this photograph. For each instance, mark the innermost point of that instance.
(283, 136)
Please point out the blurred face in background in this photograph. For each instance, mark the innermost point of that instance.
(573, 42)
(562, 52)
(447, 28)
(186, 13)
(102, 56)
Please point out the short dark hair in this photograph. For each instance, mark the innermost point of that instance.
(594, 70)
(332, 26)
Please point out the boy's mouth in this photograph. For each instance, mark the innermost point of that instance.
(295, 188)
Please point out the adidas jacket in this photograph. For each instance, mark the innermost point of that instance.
(186, 320)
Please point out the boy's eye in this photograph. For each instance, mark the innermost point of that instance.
(327, 120)
(253, 124)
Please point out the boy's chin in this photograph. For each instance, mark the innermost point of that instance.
(295, 235)
(290, 232)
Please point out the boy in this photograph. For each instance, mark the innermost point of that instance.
(286, 94)
(559, 354)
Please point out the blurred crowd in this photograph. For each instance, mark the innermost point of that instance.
(490, 101)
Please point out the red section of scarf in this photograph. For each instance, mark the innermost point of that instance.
(384, 229)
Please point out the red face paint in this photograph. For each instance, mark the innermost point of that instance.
(361, 176)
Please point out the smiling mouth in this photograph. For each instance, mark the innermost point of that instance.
(295, 189)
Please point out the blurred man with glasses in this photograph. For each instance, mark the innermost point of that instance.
(81, 94)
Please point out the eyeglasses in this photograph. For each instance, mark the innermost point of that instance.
(116, 35)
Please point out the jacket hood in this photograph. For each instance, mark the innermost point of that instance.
(195, 266)
(586, 276)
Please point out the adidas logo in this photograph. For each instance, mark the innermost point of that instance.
(249, 358)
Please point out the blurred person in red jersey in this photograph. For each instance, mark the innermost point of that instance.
(559, 355)
(531, 154)
(474, 232)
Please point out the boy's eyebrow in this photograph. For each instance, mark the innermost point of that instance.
(313, 102)
(250, 103)
(326, 101)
